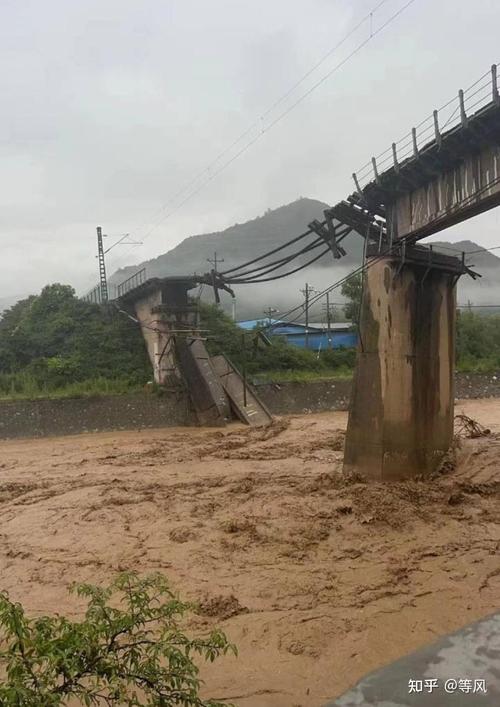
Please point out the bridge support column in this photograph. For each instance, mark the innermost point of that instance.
(163, 310)
(401, 413)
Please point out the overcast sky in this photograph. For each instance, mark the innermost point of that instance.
(108, 108)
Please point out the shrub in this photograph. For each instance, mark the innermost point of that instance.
(132, 655)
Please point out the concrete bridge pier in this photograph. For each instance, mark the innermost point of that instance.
(401, 413)
(163, 309)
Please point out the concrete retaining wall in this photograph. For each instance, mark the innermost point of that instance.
(44, 418)
(41, 418)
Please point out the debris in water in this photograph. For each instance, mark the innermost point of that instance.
(467, 427)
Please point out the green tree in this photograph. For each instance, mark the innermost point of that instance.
(58, 339)
(223, 335)
(352, 290)
(128, 650)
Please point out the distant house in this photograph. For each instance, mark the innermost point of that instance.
(249, 324)
(342, 334)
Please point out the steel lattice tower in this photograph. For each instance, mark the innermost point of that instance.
(103, 283)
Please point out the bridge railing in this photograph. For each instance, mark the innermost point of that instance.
(131, 282)
(94, 295)
(483, 92)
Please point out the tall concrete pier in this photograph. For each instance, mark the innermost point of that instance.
(163, 308)
(401, 415)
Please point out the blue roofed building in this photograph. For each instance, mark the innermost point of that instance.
(316, 337)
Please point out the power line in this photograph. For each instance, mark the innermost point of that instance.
(261, 270)
(258, 121)
(482, 250)
(270, 252)
(286, 274)
(373, 261)
(242, 277)
(264, 130)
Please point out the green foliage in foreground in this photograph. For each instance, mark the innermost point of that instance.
(134, 655)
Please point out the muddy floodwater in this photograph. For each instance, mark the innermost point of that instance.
(317, 580)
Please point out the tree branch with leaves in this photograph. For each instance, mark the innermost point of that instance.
(128, 650)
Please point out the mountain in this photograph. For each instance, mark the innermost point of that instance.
(486, 289)
(241, 242)
(476, 257)
(245, 241)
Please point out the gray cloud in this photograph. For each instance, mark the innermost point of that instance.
(107, 109)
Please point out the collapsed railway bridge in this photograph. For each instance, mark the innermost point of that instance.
(401, 413)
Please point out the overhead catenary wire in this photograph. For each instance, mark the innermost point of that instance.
(213, 174)
(240, 278)
(234, 271)
(258, 121)
(274, 265)
(286, 274)
(269, 252)
(365, 266)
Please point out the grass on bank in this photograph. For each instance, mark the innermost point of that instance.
(488, 365)
(24, 386)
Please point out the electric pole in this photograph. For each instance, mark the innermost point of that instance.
(269, 312)
(103, 282)
(306, 292)
(329, 321)
(215, 260)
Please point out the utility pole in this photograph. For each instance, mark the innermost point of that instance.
(269, 313)
(306, 292)
(103, 282)
(328, 321)
(215, 260)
